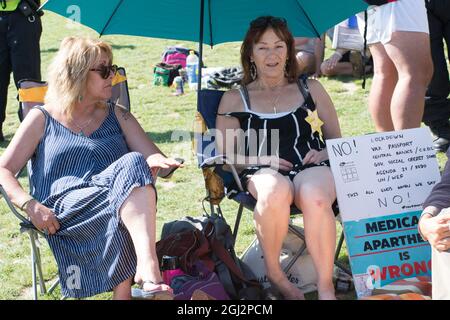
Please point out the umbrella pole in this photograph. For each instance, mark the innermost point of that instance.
(200, 48)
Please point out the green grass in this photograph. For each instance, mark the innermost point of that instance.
(160, 113)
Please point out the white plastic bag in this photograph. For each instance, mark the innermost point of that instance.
(302, 273)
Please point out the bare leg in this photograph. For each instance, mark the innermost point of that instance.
(274, 194)
(306, 62)
(138, 213)
(341, 68)
(383, 85)
(122, 291)
(411, 54)
(314, 195)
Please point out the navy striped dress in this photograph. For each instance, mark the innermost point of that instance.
(85, 180)
(296, 137)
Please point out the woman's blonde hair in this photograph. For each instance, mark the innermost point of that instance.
(68, 72)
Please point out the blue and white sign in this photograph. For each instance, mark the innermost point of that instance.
(382, 181)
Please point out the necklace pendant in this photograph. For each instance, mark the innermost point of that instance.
(81, 134)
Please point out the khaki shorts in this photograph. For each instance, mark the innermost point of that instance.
(401, 15)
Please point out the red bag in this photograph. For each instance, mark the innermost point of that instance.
(189, 246)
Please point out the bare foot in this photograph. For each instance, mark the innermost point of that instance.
(155, 287)
(287, 289)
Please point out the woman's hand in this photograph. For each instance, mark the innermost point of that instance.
(158, 162)
(436, 230)
(275, 163)
(316, 157)
(42, 217)
(332, 61)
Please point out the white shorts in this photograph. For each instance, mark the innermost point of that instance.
(401, 15)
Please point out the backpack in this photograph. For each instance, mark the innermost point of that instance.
(184, 286)
(209, 239)
(177, 55)
(164, 74)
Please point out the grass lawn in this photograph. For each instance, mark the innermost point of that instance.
(160, 113)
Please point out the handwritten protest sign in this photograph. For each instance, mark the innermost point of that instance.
(382, 181)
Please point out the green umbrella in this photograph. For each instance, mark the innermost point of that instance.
(206, 21)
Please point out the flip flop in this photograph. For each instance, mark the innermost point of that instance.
(156, 294)
(172, 170)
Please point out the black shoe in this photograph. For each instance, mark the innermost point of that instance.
(441, 144)
(442, 136)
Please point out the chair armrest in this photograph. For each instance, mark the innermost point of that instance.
(25, 223)
(221, 160)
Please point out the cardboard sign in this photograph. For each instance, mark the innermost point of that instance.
(382, 181)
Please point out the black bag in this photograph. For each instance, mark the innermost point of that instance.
(236, 277)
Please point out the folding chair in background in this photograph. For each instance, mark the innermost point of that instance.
(31, 94)
(215, 177)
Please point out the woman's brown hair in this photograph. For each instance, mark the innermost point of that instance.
(254, 33)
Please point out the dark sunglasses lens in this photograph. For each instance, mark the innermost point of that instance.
(262, 21)
(106, 70)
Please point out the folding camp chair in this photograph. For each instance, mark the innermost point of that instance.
(211, 164)
(31, 94)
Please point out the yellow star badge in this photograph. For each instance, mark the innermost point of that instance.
(315, 122)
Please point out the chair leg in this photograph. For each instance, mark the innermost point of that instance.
(36, 265)
(238, 221)
(299, 251)
(33, 267)
(336, 256)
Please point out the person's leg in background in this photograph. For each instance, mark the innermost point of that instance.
(306, 62)
(383, 85)
(23, 40)
(5, 68)
(410, 53)
(437, 105)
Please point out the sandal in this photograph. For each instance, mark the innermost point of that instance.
(155, 294)
(172, 170)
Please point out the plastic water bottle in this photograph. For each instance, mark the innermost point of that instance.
(192, 70)
(170, 268)
(178, 84)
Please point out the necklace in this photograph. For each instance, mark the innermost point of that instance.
(82, 127)
(275, 97)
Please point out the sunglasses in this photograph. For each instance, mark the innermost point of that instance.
(264, 21)
(105, 71)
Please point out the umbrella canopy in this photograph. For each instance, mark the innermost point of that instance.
(223, 20)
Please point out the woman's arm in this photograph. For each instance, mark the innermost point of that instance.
(325, 109)
(327, 113)
(16, 155)
(137, 140)
(18, 152)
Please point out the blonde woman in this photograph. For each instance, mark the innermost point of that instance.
(93, 169)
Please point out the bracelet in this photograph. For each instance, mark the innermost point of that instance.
(23, 207)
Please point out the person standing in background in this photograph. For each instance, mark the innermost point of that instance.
(20, 33)
(398, 39)
(437, 105)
